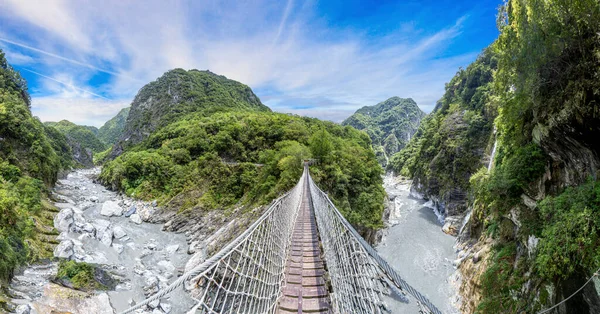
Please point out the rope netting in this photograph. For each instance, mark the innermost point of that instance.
(246, 275)
(356, 270)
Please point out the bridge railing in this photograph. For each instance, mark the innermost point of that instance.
(247, 274)
(355, 268)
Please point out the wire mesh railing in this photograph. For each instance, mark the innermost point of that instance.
(355, 268)
(246, 275)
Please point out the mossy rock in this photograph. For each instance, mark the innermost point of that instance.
(83, 276)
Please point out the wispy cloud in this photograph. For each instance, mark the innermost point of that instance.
(288, 52)
(64, 83)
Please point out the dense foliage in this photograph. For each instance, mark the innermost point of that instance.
(547, 89)
(241, 158)
(110, 132)
(390, 125)
(30, 157)
(449, 144)
(80, 134)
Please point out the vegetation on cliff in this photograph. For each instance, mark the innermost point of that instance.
(177, 93)
(80, 134)
(249, 158)
(548, 95)
(390, 125)
(111, 131)
(30, 157)
(450, 143)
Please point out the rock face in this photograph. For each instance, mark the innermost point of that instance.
(390, 125)
(178, 92)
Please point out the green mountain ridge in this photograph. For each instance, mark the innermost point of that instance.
(390, 125)
(209, 136)
(111, 131)
(179, 92)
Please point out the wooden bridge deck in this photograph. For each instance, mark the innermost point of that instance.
(304, 289)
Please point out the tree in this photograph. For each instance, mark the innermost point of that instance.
(321, 145)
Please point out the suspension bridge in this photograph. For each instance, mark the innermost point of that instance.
(300, 256)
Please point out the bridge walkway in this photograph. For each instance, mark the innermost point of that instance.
(304, 289)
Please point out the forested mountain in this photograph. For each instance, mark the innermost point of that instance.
(31, 155)
(82, 140)
(177, 93)
(531, 237)
(390, 125)
(213, 145)
(451, 142)
(111, 131)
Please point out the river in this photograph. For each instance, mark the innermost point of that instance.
(415, 246)
(117, 243)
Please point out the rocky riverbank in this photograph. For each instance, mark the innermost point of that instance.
(106, 229)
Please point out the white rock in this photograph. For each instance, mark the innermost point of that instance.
(93, 199)
(119, 232)
(64, 220)
(166, 266)
(118, 247)
(136, 218)
(23, 309)
(154, 304)
(131, 245)
(157, 311)
(89, 228)
(111, 208)
(107, 237)
(171, 249)
(150, 284)
(64, 249)
(166, 307)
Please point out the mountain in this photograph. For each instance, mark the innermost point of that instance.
(31, 157)
(177, 93)
(82, 140)
(111, 131)
(390, 125)
(512, 147)
(452, 142)
(212, 147)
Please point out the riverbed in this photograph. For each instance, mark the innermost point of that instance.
(415, 246)
(101, 227)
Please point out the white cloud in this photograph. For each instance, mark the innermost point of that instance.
(85, 111)
(276, 46)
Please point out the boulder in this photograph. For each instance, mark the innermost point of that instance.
(130, 211)
(119, 232)
(166, 307)
(136, 219)
(104, 231)
(118, 247)
(23, 309)
(64, 220)
(150, 284)
(166, 267)
(64, 249)
(59, 299)
(111, 208)
(171, 249)
(154, 304)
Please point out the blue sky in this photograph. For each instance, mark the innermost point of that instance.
(85, 60)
